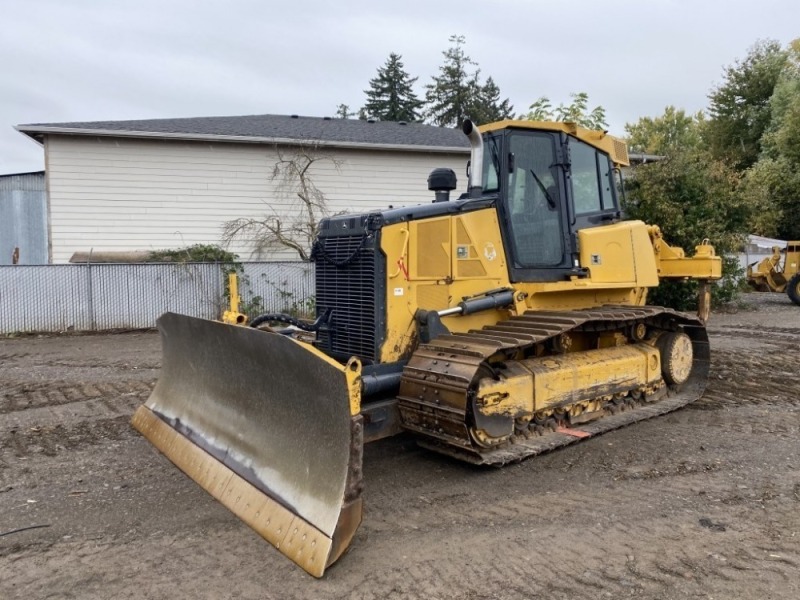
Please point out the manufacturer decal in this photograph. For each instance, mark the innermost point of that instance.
(489, 252)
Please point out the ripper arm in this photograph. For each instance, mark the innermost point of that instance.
(672, 263)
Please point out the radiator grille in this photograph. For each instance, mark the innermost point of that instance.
(349, 291)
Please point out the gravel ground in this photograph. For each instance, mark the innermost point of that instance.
(701, 503)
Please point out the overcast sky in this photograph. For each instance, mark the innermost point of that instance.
(87, 60)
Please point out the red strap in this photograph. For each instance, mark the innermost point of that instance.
(574, 432)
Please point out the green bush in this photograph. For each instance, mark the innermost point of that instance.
(692, 197)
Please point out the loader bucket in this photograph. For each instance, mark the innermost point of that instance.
(267, 425)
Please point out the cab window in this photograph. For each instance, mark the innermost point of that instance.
(533, 201)
(592, 179)
(585, 190)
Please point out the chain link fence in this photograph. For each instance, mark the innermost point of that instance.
(97, 297)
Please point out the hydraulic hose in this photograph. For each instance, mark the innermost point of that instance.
(290, 320)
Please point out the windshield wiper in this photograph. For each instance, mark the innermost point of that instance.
(550, 202)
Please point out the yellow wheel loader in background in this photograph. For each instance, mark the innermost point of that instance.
(492, 327)
(770, 275)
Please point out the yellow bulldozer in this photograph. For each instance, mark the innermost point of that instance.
(492, 327)
(778, 273)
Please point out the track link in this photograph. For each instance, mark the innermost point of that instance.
(436, 383)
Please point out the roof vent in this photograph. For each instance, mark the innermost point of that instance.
(295, 117)
(370, 120)
(402, 123)
(326, 118)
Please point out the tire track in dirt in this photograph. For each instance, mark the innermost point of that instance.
(618, 554)
(49, 417)
(21, 396)
(695, 504)
(48, 440)
(12, 357)
(594, 563)
(759, 330)
(742, 376)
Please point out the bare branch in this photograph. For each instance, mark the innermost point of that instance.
(297, 228)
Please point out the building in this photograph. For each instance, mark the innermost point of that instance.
(23, 219)
(122, 186)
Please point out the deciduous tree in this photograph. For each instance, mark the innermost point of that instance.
(577, 111)
(740, 109)
(670, 132)
(691, 196)
(295, 224)
(772, 185)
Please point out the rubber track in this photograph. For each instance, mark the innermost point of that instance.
(433, 391)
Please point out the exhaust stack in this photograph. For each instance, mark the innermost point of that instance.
(476, 160)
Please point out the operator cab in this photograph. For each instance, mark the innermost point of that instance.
(549, 185)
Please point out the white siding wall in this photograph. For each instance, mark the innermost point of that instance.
(126, 194)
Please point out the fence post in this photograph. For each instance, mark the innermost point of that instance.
(92, 324)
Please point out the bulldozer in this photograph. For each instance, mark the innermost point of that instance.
(491, 327)
(778, 273)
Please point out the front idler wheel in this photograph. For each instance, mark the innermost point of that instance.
(677, 356)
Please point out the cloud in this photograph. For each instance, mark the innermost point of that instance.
(92, 60)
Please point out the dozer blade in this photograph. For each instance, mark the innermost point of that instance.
(268, 426)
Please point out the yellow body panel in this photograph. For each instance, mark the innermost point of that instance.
(791, 265)
(433, 264)
(534, 385)
(563, 380)
(619, 254)
(614, 147)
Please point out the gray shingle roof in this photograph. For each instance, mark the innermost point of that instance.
(266, 128)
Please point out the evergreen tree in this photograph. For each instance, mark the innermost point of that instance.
(457, 93)
(343, 112)
(390, 96)
(487, 107)
(451, 94)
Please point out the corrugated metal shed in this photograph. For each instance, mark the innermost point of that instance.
(23, 219)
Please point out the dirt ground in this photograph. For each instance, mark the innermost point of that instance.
(701, 503)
